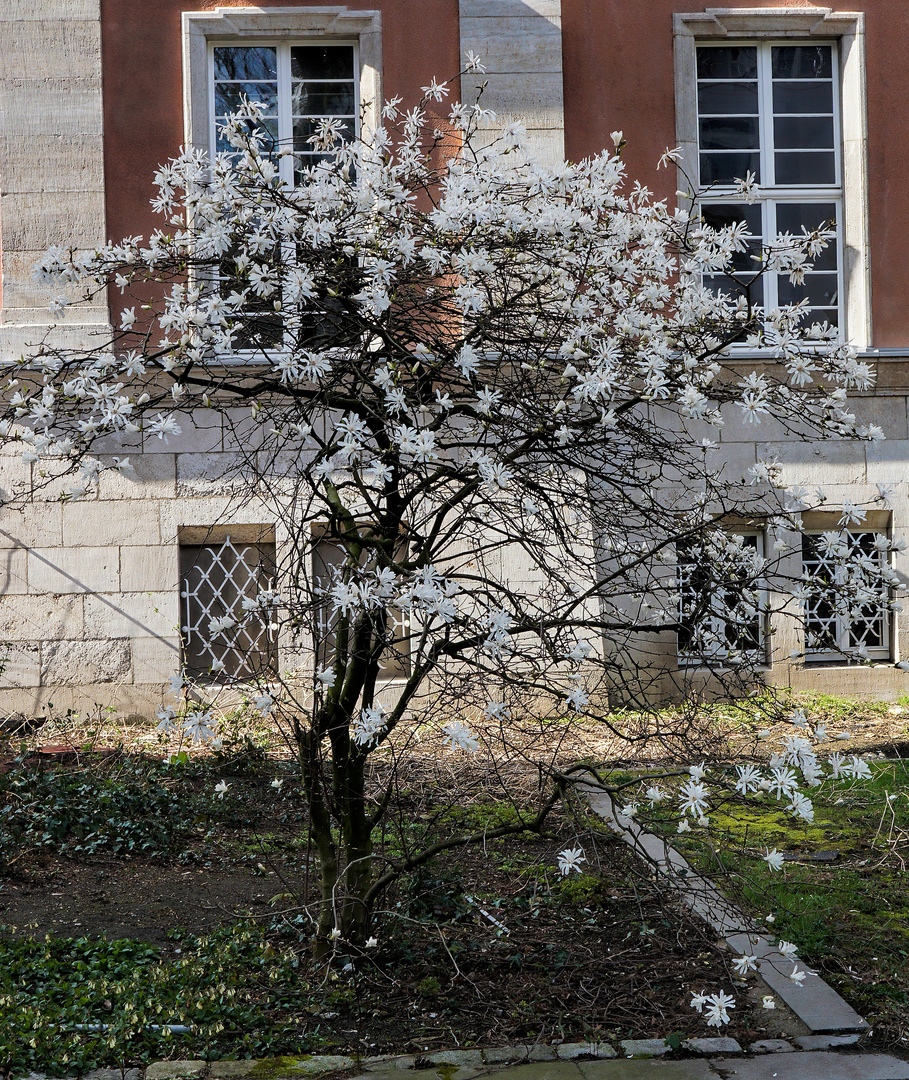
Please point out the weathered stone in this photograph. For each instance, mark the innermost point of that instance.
(770, 1046)
(825, 1042)
(150, 568)
(92, 524)
(645, 1047)
(572, 1051)
(222, 1070)
(647, 1069)
(453, 1057)
(381, 1064)
(40, 618)
(718, 1045)
(80, 663)
(813, 1065)
(171, 1070)
(132, 614)
(74, 570)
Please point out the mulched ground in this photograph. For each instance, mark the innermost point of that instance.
(483, 947)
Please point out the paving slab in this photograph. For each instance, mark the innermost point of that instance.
(571, 1051)
(721, 1044)
(813, 1002)
(168, 1070)
(541, 1070)
(227, 1070)
(771, 1046)
(812, 1065)
(644, 1047)
(825, 1042)
(648, 1069)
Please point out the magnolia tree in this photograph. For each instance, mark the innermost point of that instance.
(492, 388)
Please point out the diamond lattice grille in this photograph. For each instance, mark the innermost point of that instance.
(215, 579)
(834, 622)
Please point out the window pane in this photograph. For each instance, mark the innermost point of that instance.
(719, 215)
(820, 290)
(322, 62)
(803, 97)
(727, 62)
(734, 133)
(305, 129)
(803, 132)
(267, 128)
(805, 168)
(246, 63)
(229, 96)
(802, 62)
(323, 99)
(793, 218)
(751, 290)
(728, 98)
(727, 168)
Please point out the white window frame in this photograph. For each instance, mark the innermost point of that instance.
(845, 654)
(731, 26)
(757, 655)
(282, 47)
(202, 30)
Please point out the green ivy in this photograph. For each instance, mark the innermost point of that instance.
(72, 1004)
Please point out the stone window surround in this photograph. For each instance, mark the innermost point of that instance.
(250, 25)
(848, 30)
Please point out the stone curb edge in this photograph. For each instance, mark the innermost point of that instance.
(819, 1007)
(451, 1064)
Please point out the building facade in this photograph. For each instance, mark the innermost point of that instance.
(101, 598)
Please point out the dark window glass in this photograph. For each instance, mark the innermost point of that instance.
(323, 99)
(726, 99)
(728, 168)
(246, 63)
(801, 62)
(733, 133)
(727, 62)
(229, 96)
(803, 132)
(820, 290)
(793, 218)
(719, 215)
(805, 168)
(752, 291)
(322, 62)
(390, 628)
(306, 129)
(803, 97)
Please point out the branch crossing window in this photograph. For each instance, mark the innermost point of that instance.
(720, 602)
(300, 85)
(772, 111)
(215, 579)
(841, 620)
(394, 663)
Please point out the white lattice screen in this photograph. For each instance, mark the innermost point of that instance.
(214, 581)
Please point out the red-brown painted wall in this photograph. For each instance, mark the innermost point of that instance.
(618, 74)
(142, 61)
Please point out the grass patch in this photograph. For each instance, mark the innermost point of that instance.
(849, 916)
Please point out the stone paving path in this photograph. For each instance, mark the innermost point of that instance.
(786, 1064)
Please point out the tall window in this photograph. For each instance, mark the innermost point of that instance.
(720, 605)
(771, 111)
(300, 85)
(841, 623)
